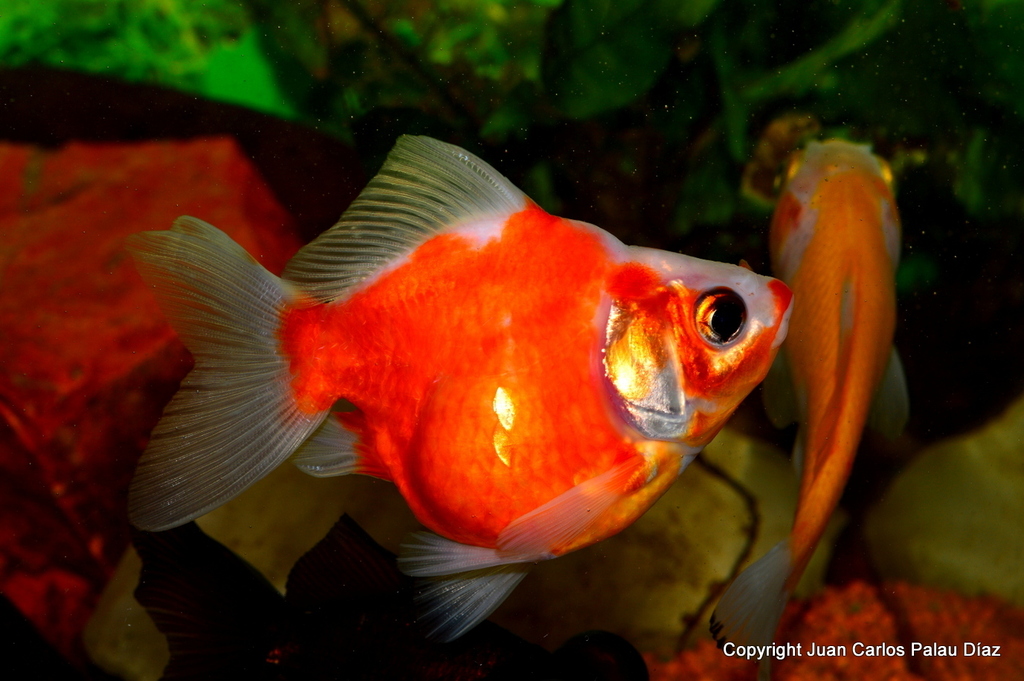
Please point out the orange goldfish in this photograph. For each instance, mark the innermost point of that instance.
(835, 240)
(529, 383)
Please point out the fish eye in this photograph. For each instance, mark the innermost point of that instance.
(720, 316)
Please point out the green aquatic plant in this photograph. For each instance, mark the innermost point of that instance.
(162, 41)
(673, 97)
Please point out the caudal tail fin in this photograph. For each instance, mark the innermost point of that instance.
(749, 611)
(234, 419)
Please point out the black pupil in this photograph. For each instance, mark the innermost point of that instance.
(726, 317)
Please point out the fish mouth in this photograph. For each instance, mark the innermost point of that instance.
(655, 424)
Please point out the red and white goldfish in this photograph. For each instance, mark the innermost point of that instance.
(835, 239)
(529, 383)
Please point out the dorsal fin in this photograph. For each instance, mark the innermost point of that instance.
(424, 187)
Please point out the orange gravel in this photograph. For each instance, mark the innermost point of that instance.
(900, 632)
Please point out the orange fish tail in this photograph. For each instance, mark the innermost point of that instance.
(750, 609)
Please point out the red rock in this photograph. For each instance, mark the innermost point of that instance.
(86, 360)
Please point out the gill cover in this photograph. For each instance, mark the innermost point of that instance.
(641, 364)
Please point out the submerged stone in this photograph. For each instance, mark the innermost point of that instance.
(952, 519)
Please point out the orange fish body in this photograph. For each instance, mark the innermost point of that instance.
(529, 383)
(502, 467)
(835, 240)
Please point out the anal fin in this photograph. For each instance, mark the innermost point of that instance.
(891, 406)
(330, 451)
(454, 604)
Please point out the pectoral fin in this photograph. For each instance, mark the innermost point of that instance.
(891, 406)
(460, 585)
(425, 554)
(778, 394)
(797, 456)
(576, 512)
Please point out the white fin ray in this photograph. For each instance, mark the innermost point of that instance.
(568, 515)
(453, 604)
(891, 406)
(330, 451)
(778, 394)
(463, 584)
(425, 554)
(749, 611)
(424, 187)
(527, 539)
(797, 456)
(233, 420)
